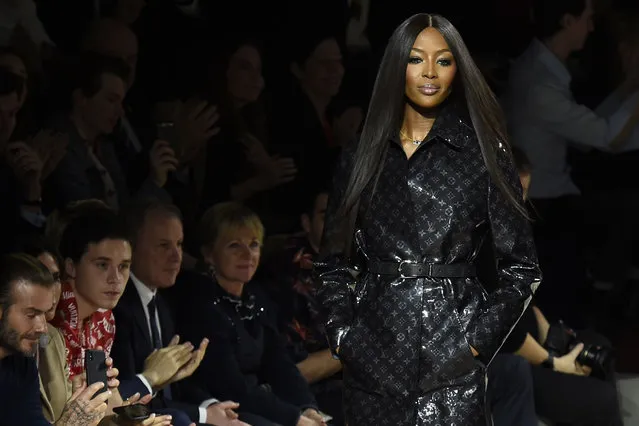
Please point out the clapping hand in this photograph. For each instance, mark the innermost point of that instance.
(196, 359)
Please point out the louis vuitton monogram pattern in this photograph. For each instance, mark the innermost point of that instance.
(405, 342)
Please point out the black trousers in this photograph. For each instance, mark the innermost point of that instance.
(510, 391)
(577, 400)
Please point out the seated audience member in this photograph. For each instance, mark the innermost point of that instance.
(248, 362)
(20, 167)
(291, 286)
(146, 349)
(55, 387)
(26, 295)
(97, 258)
(90, 167)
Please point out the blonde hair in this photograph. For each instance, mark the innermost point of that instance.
(227, 218)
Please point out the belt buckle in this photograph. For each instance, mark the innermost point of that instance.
(402, 263)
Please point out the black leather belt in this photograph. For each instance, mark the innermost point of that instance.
(410, 269)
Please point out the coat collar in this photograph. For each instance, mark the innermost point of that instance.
(452, 126)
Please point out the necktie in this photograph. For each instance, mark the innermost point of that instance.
(155, 332)
(155, 337)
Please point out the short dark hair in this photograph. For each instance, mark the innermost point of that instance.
(136, 214)
(93, 228)
(91, 67)
(10, 83)
(21, 267)
(547, 15)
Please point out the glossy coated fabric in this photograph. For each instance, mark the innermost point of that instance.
(405, 342)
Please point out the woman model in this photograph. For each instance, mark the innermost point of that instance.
(432, 175)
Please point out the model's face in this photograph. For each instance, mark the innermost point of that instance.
(430, 71)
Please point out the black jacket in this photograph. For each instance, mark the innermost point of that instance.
(246, 360)
(406, 340)
(132, 345)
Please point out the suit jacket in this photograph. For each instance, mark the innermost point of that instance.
(55, 386)
(133, 345)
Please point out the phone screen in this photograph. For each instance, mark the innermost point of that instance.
(95, 368)
(166, 132)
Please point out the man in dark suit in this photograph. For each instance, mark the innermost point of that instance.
(148, 355)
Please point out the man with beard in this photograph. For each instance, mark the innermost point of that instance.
(26, 294)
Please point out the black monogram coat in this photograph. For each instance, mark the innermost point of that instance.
(405, 342)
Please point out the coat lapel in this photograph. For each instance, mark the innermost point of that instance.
(134, 305)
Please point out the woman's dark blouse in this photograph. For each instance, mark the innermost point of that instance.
(246, 361)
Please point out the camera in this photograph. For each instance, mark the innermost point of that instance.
(561, 339)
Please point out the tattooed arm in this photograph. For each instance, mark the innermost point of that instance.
(82, 410)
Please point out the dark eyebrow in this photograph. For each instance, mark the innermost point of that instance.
(31, 309)
(102, 259)
(416, 49)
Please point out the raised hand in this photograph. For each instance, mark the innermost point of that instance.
(162, 160)
(196, 358)
(195, 124)
(163, 364)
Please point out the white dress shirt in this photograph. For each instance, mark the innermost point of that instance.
(146, 294)
(543, 118)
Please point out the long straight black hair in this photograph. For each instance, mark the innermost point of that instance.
(386, 109)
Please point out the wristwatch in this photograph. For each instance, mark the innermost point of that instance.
(549, 362)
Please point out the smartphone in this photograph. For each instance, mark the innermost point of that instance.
(166, 132)
(133, 413)
(95, 368)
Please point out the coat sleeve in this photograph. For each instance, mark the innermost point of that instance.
(333, 269)
(518, 273)
(279, 370)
